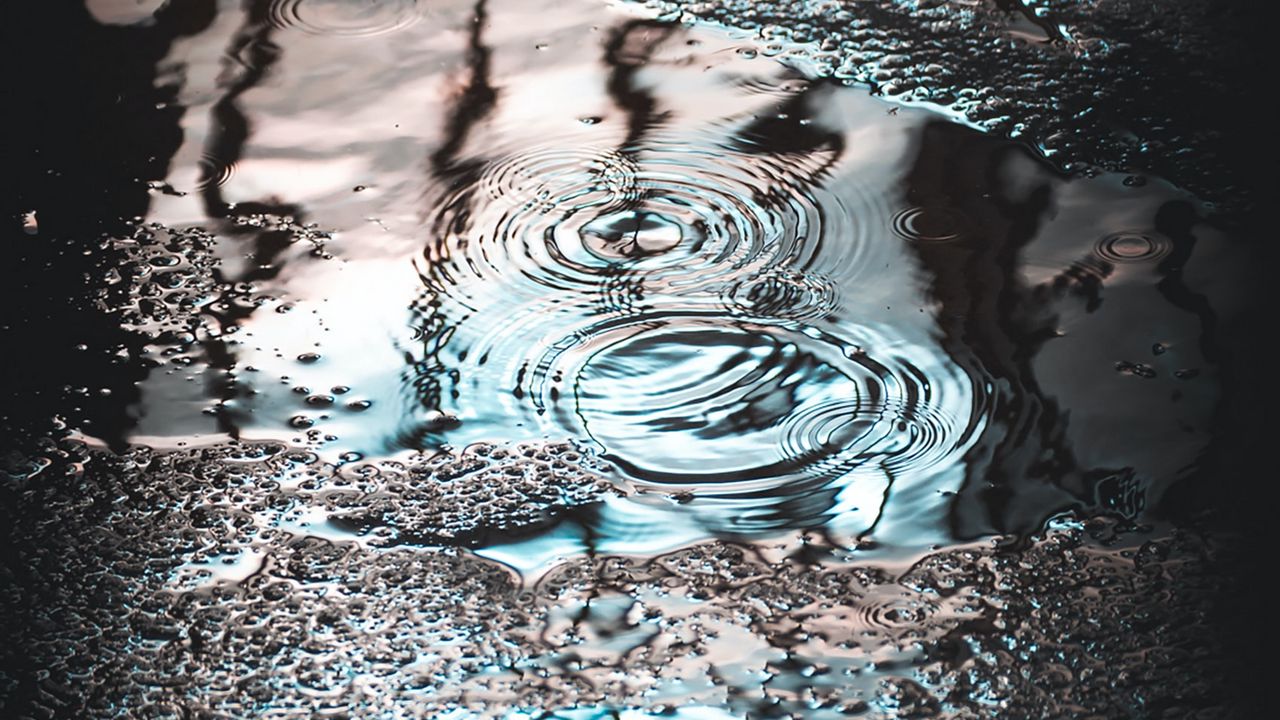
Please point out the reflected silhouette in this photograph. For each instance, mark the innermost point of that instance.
(422, 378)
(989, 328)
(248, 61)
(96, 118)
(629, 49)
(476, 101)
(996, 325)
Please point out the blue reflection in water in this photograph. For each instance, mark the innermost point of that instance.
(682, 322)
(754, 293)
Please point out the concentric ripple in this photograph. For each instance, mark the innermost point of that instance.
(214, 172)
(896, 433)
(549, 178)
(931, 224)
(895, 613)
(348, 18)
(1132, 246)
(672, 219)
(729, 407)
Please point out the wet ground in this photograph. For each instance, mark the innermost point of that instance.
(583, 359)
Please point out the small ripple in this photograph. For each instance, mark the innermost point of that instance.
(895, 613)
(749, 403)
(1133, 246)
(931, 224)
(214, 172)
(354, 18)
(894, 432)
(675, 219)
(782, 294)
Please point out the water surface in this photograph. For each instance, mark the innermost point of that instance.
(507, 357)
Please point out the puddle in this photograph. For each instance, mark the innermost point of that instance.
(546, 359)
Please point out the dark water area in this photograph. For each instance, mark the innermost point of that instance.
(392, 358)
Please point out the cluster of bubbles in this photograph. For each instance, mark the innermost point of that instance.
(214, 605)
(166, 275)
(1040, 72)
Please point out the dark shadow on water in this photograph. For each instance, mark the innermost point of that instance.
(991, 327)
(92, 121)
(424, 378)
(994, 324)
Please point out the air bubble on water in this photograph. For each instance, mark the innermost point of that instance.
(1141, 370)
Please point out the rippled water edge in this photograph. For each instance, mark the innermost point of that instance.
(1083, 81)
(68, 531)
